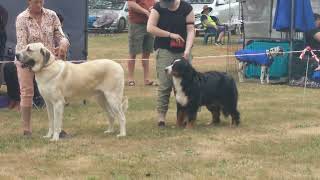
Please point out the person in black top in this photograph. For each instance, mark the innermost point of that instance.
(313, 37)
(3, 35)
(172, 22)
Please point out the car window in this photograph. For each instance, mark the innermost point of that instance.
(201, 1)
(103, 4)
(221, 2)
(126, 8)
(224, 2)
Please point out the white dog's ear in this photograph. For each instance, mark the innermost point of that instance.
(46, 55)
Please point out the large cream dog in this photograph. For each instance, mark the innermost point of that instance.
(59, 81)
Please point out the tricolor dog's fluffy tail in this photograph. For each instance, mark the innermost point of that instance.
(230, 105)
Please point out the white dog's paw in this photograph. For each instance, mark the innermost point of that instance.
(55, 137)
(109, 131)
(47, 136)
(121, 135)
(268, 81)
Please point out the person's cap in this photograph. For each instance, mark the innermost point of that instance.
(206, 7)
(166, 3)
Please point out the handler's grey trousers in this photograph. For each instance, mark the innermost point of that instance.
(164, 58)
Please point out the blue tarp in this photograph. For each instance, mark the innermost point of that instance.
(246, 55)
(316, 76)
(303, 21)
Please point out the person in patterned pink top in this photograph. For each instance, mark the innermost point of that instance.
(36, 24)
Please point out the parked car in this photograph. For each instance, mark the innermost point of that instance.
(227, 11)
(111, 15)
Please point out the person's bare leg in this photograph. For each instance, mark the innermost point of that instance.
(26, 119)
(220, 36)
(25, 78)
(131, 65)
(145, 65)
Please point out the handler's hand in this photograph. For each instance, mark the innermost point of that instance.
(147, 13)
(186, 55)
(61, 51)
(177, 38)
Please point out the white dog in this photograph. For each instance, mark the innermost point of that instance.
(265, 66)
(60, 80)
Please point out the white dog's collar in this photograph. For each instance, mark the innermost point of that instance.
(48, 64)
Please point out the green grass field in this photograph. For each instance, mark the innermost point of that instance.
(279, 137)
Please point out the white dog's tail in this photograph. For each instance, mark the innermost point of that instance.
(125, 104)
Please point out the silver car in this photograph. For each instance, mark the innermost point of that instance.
(112, 15)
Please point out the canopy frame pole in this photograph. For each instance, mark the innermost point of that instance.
(292, 31)
(271, 15)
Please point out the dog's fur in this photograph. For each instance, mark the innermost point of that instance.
(215, 90)
(59, 81)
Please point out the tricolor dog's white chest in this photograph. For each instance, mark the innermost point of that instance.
(181, 97)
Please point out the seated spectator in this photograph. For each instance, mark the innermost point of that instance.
(212, 26)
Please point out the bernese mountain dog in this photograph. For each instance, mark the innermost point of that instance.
(215, 90)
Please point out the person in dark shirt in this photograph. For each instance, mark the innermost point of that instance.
(172, 22)
(313, 37)
(3, 35)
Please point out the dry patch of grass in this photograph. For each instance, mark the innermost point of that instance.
(277, 139)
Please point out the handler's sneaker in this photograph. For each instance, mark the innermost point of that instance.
(218, 43)
(38, 102)
(161, 119)
(27, 134)
(161, 124)
(275, 51)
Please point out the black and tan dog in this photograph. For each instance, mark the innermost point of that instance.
(215, 90)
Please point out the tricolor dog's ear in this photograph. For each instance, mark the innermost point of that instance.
(28, 49)
(46, 55)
